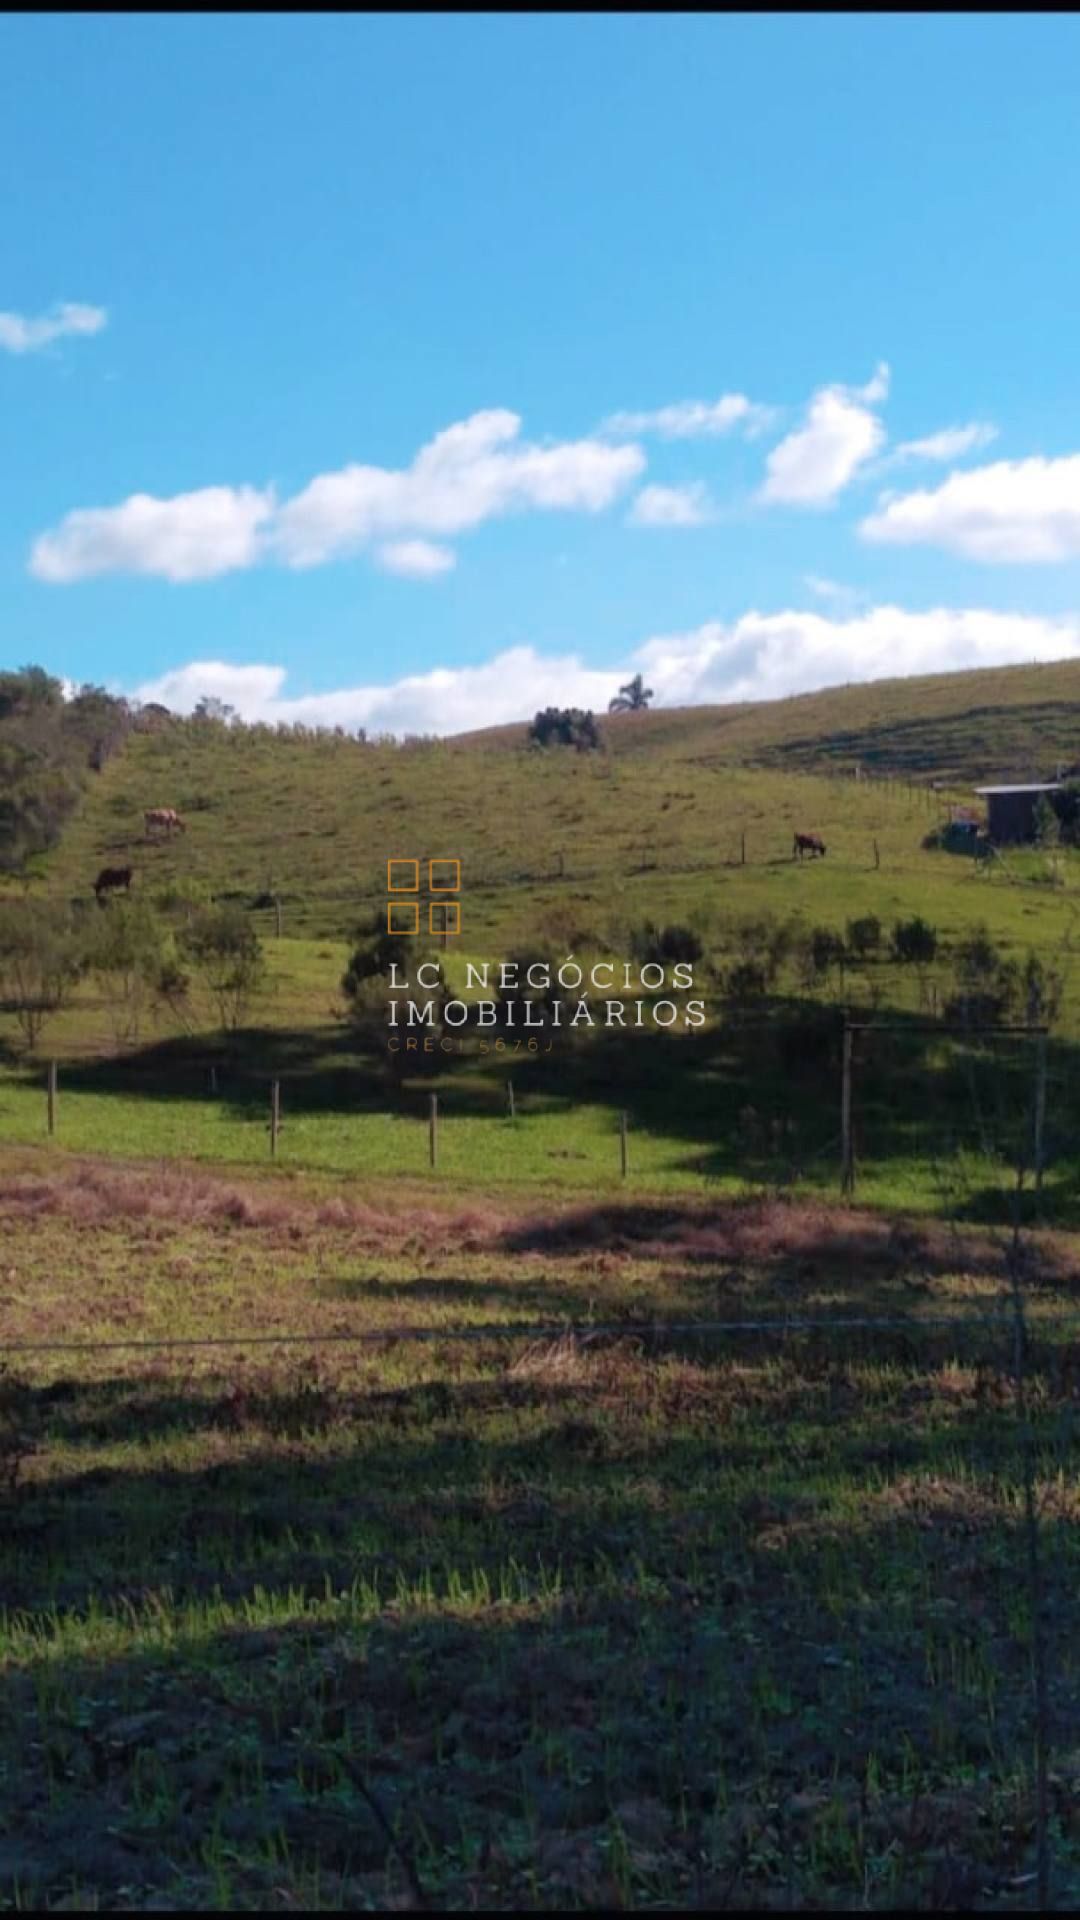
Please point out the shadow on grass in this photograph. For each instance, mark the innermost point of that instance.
(682, 1597)
(757, 1097)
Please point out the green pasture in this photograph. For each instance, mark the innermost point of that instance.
(530, 1625)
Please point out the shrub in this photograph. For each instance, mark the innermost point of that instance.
(765, 942)
(1042, 988)
(864, 935)
(1047, 826)
(746, 982)
(826, 949)
(820, 950)
(1066, 805)
(665, 946)
(986, 983)
(915, 941)
(376, 950)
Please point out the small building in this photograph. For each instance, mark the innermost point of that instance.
(1011, 810)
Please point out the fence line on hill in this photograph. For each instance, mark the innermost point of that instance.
(841, 1148)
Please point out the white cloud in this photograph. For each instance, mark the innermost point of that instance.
(18, 334)
(471, 472)
(768, 656)
(417, 559)
(671, 507)
(693, 419)
(193, 536)
(949, 444)
(447, 700)
(757, 657)
(813, 464)
(1012, 510)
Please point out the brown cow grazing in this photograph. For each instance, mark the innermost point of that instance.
(112, 880)
(807, 843)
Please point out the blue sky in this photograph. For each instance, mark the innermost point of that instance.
(756, 338)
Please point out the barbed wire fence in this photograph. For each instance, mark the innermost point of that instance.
(995, 1108)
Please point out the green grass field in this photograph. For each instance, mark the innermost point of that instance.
(410, 1562)
(567, 854)
(716, 1623)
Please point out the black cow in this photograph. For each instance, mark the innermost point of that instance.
(807, 843)
(112, 880)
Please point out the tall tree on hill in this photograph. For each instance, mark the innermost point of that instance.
(633, 698)
(49, 745)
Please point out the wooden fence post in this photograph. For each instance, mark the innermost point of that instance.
(624, 1157)
(1040, 1108)
(277, 915)
(275, 1116)
(847, 1154)
(877, 856)
(511, 1113)
(742, 845)
(51, 1097)
(212, 1076)
(433, 1131)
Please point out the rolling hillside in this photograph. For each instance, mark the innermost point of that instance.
(996, 723)
(688, 819)
(687, 812)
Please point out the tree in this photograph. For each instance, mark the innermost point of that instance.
(48, 747)
(567, 727)
(633, 698)
(41, 958)
(211, 708)
(126, 955)
(221, 949)
(366, 984)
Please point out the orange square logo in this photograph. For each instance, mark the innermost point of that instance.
(444, 916)
(403, 916)
(397, 884)
(444, 876)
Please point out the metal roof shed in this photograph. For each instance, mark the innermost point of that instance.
(1011, 810)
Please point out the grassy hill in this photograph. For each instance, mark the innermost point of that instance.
(720, 1600)
(995, 723)
(661, 820)
(687, 817)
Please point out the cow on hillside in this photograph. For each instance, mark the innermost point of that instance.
(112, 880)
(163, 818)
(807, 843)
